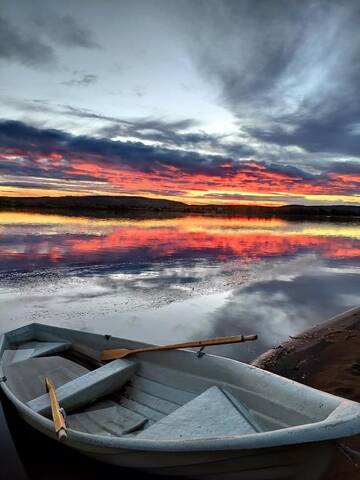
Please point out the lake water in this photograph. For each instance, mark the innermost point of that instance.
(168, 280)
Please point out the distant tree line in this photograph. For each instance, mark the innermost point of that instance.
(120, 205)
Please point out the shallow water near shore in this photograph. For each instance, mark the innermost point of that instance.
(170, 280)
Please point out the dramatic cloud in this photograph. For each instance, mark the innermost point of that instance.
(65, 30)
(216, 100)
(32, 49)
(17, 138)
(135, 167)
(336, 134)
(289, 70)
(162, 131)
(28, 50)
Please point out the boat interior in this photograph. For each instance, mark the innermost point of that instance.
(164, 395)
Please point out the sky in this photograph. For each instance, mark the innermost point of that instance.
(202, 101)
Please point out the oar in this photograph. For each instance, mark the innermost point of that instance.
(58, 417)
(125, 352)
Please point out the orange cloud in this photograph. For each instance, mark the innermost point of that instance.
(54, 158)
(255, 179)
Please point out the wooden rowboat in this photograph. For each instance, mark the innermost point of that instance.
(171, 412)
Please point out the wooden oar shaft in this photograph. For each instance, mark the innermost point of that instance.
(58, 418)
(120, 353)
(199, 343)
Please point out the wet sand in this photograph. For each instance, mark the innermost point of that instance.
(326, 357)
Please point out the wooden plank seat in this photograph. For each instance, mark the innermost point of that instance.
(26, 379)
(214, 413)
(33, 349)
(87, 387)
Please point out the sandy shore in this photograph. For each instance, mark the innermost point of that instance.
(326, 357)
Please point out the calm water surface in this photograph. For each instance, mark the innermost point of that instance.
(162, 280)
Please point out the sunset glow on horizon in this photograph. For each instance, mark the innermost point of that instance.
(66, 172)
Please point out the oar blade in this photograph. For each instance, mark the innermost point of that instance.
(56, 411)
(116, 353)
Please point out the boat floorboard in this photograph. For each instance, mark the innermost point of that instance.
(151, 397)
(174, 378)
(141, 409)
(158, 389)
(151, 401)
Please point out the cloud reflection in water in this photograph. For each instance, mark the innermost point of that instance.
(168, 279)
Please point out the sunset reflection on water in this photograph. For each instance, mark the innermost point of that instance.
(33, 240)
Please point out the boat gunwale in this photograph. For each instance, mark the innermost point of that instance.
(325, 431)
(343, 421)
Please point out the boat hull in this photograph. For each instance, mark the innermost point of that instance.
(295, 462)
(296, 439)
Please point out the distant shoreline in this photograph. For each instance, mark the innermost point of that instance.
(141, 207)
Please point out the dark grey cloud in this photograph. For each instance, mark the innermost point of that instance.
(38, 47)
(347, 167)
(116, 125)
(64, 30)
(334, 134)
(168, 133)
(31, 142)
(172, 134)
(289, 70)
(255, 43)
(26, 49)
(146, 128)
(81, 80)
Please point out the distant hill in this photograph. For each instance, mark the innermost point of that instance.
(125, 205)
(94, 202)
(321, 210)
